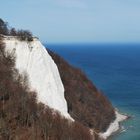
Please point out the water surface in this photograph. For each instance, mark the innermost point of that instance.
(114, 69)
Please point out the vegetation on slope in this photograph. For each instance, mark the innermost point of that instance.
(86, 103)
(21, 117)
(22, 35)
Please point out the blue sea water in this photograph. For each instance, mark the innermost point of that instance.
(114, 69)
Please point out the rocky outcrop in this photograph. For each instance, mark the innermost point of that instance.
(42, 72)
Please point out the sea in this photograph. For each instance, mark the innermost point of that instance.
(115, 70)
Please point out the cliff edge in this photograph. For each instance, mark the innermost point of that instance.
(86, 103)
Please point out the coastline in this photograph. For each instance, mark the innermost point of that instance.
(114, 126)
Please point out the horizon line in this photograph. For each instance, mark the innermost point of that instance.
(91, 43)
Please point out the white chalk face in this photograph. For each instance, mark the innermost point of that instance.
(114, 126)
(43, 73)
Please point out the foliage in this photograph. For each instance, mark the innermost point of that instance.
(21, 117)
(23, 35)
(86, 103)
(3, 27)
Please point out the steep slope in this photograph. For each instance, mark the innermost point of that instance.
(22, 118)
(21, 115)
(44, 78)
(85, 102)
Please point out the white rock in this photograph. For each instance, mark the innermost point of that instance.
(43, 73)
(114, 126)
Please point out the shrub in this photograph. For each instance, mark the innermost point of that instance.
(3, 27)
(86, 103)
(21, 117)
(13, 32)
(23, 35)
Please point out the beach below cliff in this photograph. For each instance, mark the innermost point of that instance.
(115, 126)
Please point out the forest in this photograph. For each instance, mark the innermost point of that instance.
(21, 117)
(22, 35)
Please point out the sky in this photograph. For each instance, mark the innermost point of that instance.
(76, 21)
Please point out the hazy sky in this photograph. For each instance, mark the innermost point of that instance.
(75, 20)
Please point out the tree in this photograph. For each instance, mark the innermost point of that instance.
(3, 27)
(25, 35)
(13, 32)
(21, 117)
